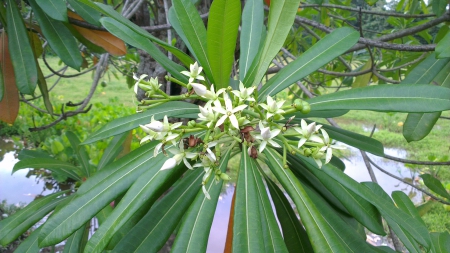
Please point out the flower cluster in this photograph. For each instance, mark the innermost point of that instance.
(227, 119)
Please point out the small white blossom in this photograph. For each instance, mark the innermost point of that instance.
(328, 148)
(244, 94)
(199, 89)
(228, 112)
(307, 132)
(169, 164)
(207, 114)
(272, 107)
(180, 155)
(266, 136)
(138, 79)
(194, 73)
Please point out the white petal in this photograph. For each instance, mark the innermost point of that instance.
(262, 146)
(146, 138)
(156, 126)
(169, 164)
(186, 73)
(301, 142)
(239, 108)
(199, 89)
(234, 121)
(188, 165)
(213, 156)
(273, 143)
(274, 133)
(157, 148)
(319, 162)
(136, 88)
(220, 110)
(329, 154)
(221, 120)
(265, 133)
(205, 192)
(316, 138)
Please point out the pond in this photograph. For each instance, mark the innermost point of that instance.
(17, 188)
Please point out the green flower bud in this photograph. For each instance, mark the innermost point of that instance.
(293, 152)
(286, 166)
(298, 104)
(191, 123)
(307, 152)
(145, 87)
(277, 117)
(241, 121)
(225, 177)
(306, 108)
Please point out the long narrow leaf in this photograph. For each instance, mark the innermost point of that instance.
(64, 168)
(57, 10)
(22, 56)
(114, 148)
(328, 48)
(130, 122)
(387, 98)
(153, 230)
(80, 152)
(247, 234)
(322, 237)
(252, 25)
(30, 245)
(15, 225)
(192, 236)
(281, 17)
(59, 38)
(441, 242)
(87, 12)
(223, 24)
(76, 242)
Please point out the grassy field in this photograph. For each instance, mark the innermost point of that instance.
(435, 147)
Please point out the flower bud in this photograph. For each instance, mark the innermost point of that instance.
(169, 164)
(156, 126)
(241, 120)
(199, 89)
(306, 108)
(191, 123)
(225, 177)
(307, 152)
(298, 104)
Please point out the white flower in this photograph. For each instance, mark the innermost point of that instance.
(328, 148)
(244, 94)
(180, 155)
(154, 125)
(194, 73)
(169, 164)
(228, 112)
(272, 107)
(207, 113)
(266, 136)
(307, 132)
(212, 95)
(199, 89)
(138, 79)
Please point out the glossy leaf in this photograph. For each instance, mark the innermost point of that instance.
(30, 244)
(153, 230)
(15, 225)
(56, 9)
(80, 152)
(110, 12)
(251, 35)
(192, 236)
(86, 12)
(281, 18)
(223, 25)
(76, 242)
(43, 88)
(273, 240)
(130, 122)
(416, 229)
(20, 50)
(105, 40)
(136, 40)
(403, 202)
(435, 185)
(386, 98)
(25, 154)
(442, 50)
(433, 71)
(439, 7)
(319, 114)
(115, 146)
(441, 242)
(194, 30)
(294, 234)
(363, 80)
(328, 48)
(98, 191)
(61, 167)
(9, 104)
(356, 206)
(59, 38)
(322, 237)
(147, 189)
(247, 234)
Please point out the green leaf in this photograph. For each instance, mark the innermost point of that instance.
(98, 192)
(130, 122)
(273, 240)
(247, 234)
(64, 168)
(20, 49)
(110, 12)
(322, 237)
(86, 12)
(356, 206)
(387, 98)
(439, 7)
(416, 229)
(295, 236)
(15, 225)
(252, 25)
(113, 149)
(153, 230)
(135, 39)
(76, 242)
(319, 114)
(404, 202)
(80, 152)
(192, 236)
(281, 18)
(146, 190)
(59, 38)
(328, 48)
(442, 50)
(194, 30)
(25, 154)
(435, 185)
(441, 242)
(30, 245)
(363, 80)
(56, 9)
(223, 25)
(42, 84)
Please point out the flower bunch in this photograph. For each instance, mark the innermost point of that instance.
(227, 119)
